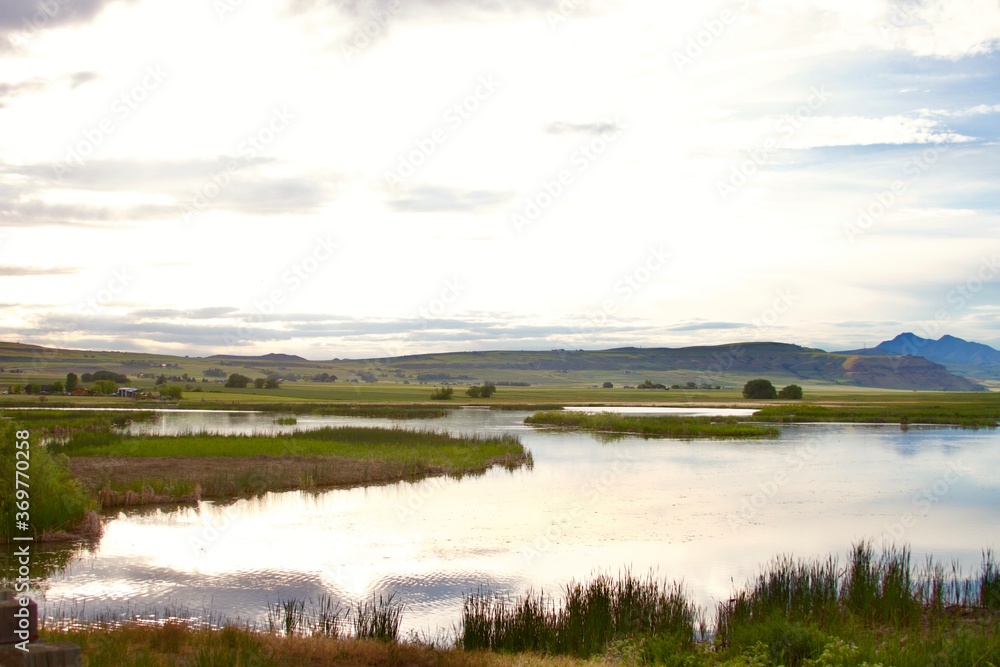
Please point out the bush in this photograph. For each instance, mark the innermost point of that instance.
(105, 387)
(759, 388)
(172, 392)
(607, 385)
(442, 394)
(791, 392)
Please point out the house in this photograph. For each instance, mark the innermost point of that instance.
(127, 392)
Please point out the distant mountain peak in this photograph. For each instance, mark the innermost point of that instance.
(950, 351)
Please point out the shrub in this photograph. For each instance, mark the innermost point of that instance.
(442, 394)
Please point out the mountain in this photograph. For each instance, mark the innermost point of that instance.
(958, 356)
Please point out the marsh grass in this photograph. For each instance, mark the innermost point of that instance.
(430, 447)
(58, 425)
(57, 504)
(128, 469)
(388, 411)
(589, 617)
(378, 618)
(871, 595)
(874, 609)
(977, 415)
(674, 427)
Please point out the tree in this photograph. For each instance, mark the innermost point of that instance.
(487, 390)
(271, 383)
(607, 385)
(17, 389)
(105, 375)
(323, 377)
(474, 392)
(791, 392)
(104, 387)
(33, 388)
(237, 381)
(649, 384)
(258, 383)
(56, 387)
(442, 394)
(173, 392)
(72, 381)
(759, 388)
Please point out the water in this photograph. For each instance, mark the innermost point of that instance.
(707, 512)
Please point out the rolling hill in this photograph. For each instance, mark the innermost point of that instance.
(731, 364)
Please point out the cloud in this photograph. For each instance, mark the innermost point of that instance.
(9, 91)
(80, 78)
(209, 313)
(428, 199)
(8, 271)
(257, 186)
(21, 20)
(702, 326)
(598, 128)
(412, 8)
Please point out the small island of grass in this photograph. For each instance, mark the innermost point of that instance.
(124, 469)
(671, 427)
(979, 415)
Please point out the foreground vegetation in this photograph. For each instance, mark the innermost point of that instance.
(874, 609)
(55, 502)
(674, 427)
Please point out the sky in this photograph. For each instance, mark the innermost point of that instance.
(353, 179)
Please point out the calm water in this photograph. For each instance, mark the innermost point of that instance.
(708, 512)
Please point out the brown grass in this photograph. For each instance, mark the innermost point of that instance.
(114, 479)
(174, 643)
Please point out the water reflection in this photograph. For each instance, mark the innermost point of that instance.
(706, 511)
